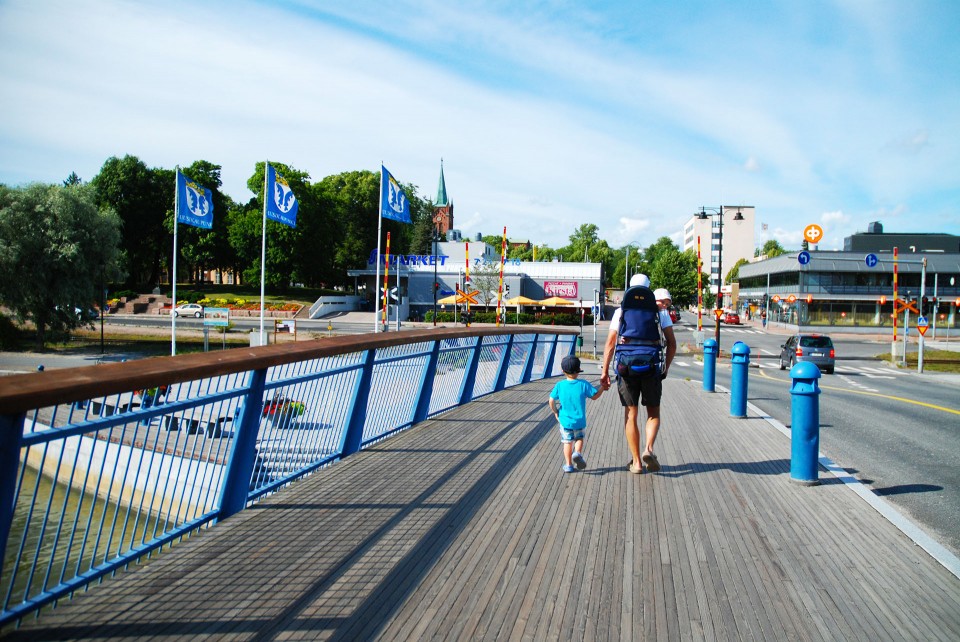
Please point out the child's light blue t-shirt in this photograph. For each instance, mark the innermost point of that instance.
(572, 395)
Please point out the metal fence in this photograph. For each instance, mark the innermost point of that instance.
(104, 464)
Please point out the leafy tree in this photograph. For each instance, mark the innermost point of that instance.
(141, 197)
(770, 249)
(734, 274)
(71, 180)
(60, 248)
(581, 241)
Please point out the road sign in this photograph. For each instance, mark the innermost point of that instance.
(719, 313)
(871, 260)
(900, 305)
(922, 325)
(468, 297)
(803, 257)
(813, 233)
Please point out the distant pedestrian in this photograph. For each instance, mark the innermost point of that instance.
(568, 401)
(763, 318)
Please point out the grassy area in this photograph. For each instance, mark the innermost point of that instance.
(933, 360)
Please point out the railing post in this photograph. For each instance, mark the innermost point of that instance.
(236, 485)
(551, 355)
(353, 435)
(11, 429)
(470, 376)
(740, 360)
(804, 424)
(426, 385)
(531, 358)
(710, 350)
(504, 365)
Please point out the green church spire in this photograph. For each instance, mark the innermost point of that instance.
(441, 189)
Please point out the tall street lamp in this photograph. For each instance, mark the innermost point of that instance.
(436, 284)
(703, 216)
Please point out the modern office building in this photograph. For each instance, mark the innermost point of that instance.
(855, 289)
(726, 235)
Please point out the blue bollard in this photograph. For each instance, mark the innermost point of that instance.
(710, 350)
(805, 424)
(740, 358)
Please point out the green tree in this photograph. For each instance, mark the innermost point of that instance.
(770, 249)
(141, 197)
(72, 180)
(734, 274)
(60, 248)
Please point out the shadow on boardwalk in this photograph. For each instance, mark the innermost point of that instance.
(465, 528)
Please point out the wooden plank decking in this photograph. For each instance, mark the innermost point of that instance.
(465, 528)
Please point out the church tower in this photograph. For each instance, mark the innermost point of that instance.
(443, 207)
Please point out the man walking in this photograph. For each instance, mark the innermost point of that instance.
(637, 391)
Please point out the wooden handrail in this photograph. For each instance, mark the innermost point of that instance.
(24, 392)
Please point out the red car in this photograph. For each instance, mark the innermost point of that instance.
(732, 318)
(674, 314)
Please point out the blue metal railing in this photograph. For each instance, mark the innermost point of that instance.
(104, 464)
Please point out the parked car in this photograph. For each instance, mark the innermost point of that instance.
(732, 318)
(815, 348)
(674, 314)
(188, 310)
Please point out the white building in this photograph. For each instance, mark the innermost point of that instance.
(738, 240)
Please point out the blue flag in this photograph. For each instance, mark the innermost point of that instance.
(194, 203)
(393, 202)
(281, 203)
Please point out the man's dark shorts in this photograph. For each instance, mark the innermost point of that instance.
(641, 391)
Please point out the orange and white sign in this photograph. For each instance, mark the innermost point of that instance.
(813, 233)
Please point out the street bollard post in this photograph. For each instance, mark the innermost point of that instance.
(804, 424)
(710, 350)
(740, 360)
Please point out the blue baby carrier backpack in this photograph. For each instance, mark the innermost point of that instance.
(639, 351)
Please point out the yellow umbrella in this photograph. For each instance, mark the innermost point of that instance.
(555, 300)
(450, 300)
(520, 300)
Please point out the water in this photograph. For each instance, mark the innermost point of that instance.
(59, 532)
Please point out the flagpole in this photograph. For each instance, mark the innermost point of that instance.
(263, 250)
(386, 285)
(173, 274)
(376, 281)
(399, 298)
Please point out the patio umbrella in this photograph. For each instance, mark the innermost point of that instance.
(555, 300)
(520, 300)
(450, 300)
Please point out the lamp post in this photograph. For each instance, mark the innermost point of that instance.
(703, 216)
(436, 239)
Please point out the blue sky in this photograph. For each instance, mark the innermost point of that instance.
(628, 115)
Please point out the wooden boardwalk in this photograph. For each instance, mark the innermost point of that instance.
(465, 528)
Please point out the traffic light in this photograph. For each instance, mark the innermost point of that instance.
(809, 298)
(506, 288)
(883, 300)
(436, 286)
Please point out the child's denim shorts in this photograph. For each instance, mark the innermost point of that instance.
(570, 436)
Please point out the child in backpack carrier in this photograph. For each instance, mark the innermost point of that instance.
(569, 406)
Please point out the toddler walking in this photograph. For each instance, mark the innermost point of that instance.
(569, 406)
